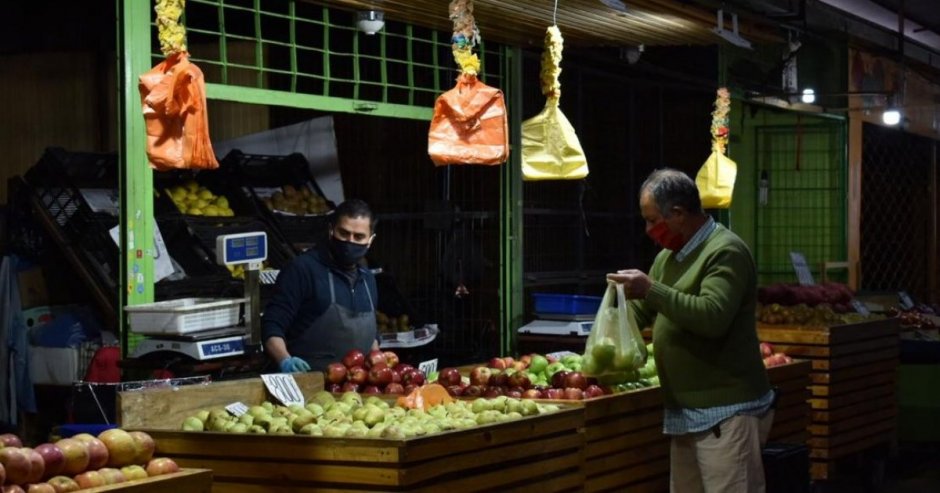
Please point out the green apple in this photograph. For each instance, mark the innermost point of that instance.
(538, 363)
(193, 423)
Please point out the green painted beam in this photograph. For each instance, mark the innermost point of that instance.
(510, 228)
(137, 247)
(315, 102)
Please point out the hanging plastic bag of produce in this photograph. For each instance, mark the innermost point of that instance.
(173, 100)
(715, 180)
(469, 125)
(615, 349)
(550, 148)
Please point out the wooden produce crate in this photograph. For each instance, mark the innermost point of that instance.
(543, 453)
(792, 416)
(184, 481)
(853, 386)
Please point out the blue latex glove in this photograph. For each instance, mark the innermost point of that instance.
(293, 364)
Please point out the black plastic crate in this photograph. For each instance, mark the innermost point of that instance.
(258, 174)
(221, 182)
(786, 468)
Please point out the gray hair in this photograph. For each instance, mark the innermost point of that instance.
(670, 188)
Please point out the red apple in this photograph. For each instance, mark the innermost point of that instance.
(145, 447)
(498, 379)
(558, 379)
(509, 361)
(89, 479)
(455, 390)
(531, 394)
(97, 452)
(592, 391)
(334, 388)
(493, 392)
(409, 388)
(380, 374)
(134, 472)
(121, 447)
(52, 458)
(63, 484)
(76, 455)
(519, 379)
(112, 476)
(354, 358)
(357, 375)
(371, 389)
(15, 488)
(16, 464)
(514, 392)
(10, 440)
(480, 375)
(350, 387)
(39, 488)
(526, 359)
(575, 379)
(403, 367)
(766, 349)
(375, 357)
(519, 366)
(37, 465)
(391, 359)
(498, 363)
(448, 377)
(394, 388)
(553, 394)
(473, 391)
(396, 375)
(418, 377)
(163, 465)
(573, 394)
(335, 373)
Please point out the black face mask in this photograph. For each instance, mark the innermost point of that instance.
(347, 253)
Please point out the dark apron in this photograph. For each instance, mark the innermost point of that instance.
(334, 333)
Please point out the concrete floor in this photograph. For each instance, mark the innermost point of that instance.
(914, 468)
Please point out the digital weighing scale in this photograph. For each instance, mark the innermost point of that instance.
(250, 250)
(558, 327)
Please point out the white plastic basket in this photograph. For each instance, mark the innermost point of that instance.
(183, 316)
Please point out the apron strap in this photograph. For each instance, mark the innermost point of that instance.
(371, 305)
(332, 288)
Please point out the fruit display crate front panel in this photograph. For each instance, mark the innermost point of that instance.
(545, 450)
(852, 385)
(184, 481)
(792, 415)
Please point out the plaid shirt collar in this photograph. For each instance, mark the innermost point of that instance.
(696, 239)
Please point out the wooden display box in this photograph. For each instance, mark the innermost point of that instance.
(792, 415)
(853, 386)
(184, 481)
(543, 453)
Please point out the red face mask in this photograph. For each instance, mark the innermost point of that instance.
(665, 238)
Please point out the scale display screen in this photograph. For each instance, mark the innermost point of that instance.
(242, 248)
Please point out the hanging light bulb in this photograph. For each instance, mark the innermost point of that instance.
(809, 96)
(892, 112)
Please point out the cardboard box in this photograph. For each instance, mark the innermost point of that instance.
(33, 291)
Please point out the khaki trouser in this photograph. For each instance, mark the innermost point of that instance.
(727, 463)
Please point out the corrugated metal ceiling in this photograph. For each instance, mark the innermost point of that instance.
(583, 22)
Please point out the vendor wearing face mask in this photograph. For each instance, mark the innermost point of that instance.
(324, 301)
(700, 298)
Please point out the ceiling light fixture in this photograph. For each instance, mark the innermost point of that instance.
(808, 96)
(370, 21)
(731, 36)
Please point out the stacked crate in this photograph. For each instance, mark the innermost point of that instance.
(853, 386)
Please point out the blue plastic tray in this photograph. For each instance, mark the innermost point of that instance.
(566, 304)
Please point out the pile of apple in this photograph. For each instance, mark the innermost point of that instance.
(375, 373)
(772, 358)
(79, 462)
(350, 416)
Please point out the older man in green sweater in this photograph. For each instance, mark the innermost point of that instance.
(700, 298)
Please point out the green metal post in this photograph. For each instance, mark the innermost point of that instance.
(510, 252)
(137, 247)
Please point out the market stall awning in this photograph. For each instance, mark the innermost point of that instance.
(584, 22)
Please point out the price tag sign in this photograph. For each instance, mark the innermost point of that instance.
(803, 274)
(860, 307)
(283, 387)
(428, 366)
(560, 354)
(906, 302)
(237, 408)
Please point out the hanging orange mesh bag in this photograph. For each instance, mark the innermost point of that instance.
(173, 98)
(469, 125)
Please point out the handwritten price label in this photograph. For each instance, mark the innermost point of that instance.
(803, 275)
(237, 408)
(860, 307)
(284, 388)
(428, 366)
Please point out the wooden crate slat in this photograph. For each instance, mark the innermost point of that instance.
(166, 408)
(623, 442)
(838, 376)
(821, 470)
(852, 398)
(836, 351)
(786, 413)
(621, 479)
(567, 482)
(184, 481)
(836, 334)
(658, 484)
(853, 385)
(624, 424)
(856, 359)
(844, 425)
(598, 465)
(787, 399)
(273, 447)
(828, 416)
(283, 472)
(800, 438)
(843, 443)
(499, 478)
(851, 448)
(618, 404)
(786, 428)
(795, 370)
(789, 386)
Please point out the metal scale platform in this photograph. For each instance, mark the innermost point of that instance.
(210, 342)
(559, 325)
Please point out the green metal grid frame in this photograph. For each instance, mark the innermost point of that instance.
(298, 54)
(807, 210)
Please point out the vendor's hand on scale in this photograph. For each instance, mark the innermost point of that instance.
(324, 300)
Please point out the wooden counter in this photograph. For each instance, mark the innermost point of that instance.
(184, 481)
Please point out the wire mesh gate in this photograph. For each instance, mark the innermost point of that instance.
(805, 209)
(896, 211)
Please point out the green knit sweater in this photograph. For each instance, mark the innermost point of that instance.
(704, 335)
